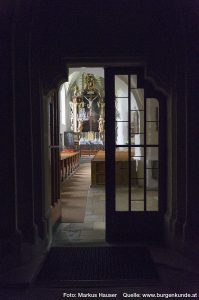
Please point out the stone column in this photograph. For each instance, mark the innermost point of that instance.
(10, 238)
(191, 225)
(37, 149)
(23, 128)
(179, 127)
(181, 155)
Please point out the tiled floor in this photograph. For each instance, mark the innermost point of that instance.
(93, 228)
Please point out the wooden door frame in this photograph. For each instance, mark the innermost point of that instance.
(54, 149)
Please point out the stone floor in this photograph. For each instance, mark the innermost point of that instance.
(93, 228)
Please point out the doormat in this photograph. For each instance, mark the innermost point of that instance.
(97, 266)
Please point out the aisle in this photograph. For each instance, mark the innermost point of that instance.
(85, 221)
(74, 195)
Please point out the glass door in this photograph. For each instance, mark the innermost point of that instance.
(135, 157)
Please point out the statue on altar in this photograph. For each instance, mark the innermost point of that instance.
(101, 125)
(76, 90)
(90, 82)
(101, 105)
(80, 126)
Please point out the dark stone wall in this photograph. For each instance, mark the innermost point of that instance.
(39, 38)
(142, 29)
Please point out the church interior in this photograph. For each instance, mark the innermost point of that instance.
(99, 118)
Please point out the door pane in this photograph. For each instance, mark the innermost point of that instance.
(137, 153)
(121, 109)
(152, 109)
(137, 139)
(137, 179)
(152, 133)
(139, 165)
(152, 118)
(121, 179)
(152, 201)
(137, 195)
(152, 177)
(121, 133)
(137, 99)
(121, 85)
(133, 171)
(151, 156)
(137, 127)
(137, 121)
(133, 81)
